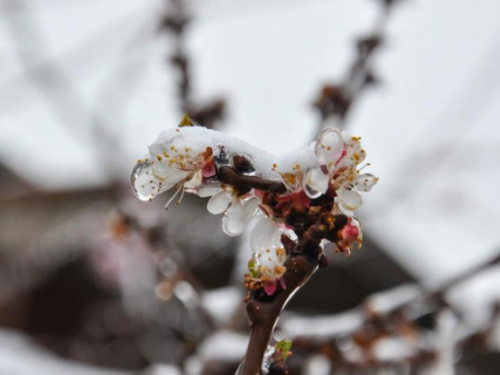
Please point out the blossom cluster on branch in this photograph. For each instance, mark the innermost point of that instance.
(320, 184)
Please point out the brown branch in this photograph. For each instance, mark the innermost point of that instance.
(264, 311)
(228, 176)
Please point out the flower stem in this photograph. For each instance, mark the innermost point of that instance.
(264, 311)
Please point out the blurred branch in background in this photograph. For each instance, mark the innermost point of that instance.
(336, 100)
(176, 21)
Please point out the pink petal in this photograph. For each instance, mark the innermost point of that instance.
(282, 282)
(208, 169)
(350, 233)
(270, 287)
(259, 194)
(303, 198)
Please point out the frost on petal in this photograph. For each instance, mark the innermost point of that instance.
(265, 234)
(316, 183)
(219, 202)
(251, 208)
(365, 182)
(208, 190)
(349, 199)
(144, 184)
(329, 147)
(233, 222)
(238, 215)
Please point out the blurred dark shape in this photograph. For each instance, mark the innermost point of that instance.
(371, 79)
(332, 102)
(11, 185)
(278, 368)
(484, 364)
(209, 115)
(220, 368)
(175, 22)
(390, 3)
(366, 45)
(427, 321)
(349, 280)
(180, 61)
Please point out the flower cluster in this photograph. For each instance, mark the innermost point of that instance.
(339, 156)
(321, 186)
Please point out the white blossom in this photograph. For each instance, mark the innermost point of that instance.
(269, 255)
(339, 156)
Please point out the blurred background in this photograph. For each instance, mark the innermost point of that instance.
(93, 281)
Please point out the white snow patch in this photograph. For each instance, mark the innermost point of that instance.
(224, 346)
(394, 348)
(221, 304)
(386, 301)
(20, 356)
(321, 326)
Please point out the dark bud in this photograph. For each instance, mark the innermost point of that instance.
(174, 23)
(288, 243)
(390, 3)
(180, 61)
(371, 80)
(278, 368)
(242, 164)
(332, 101)
(209, 114)
(368, 44)
(341, 221)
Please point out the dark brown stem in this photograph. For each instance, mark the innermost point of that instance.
(264, 312)
(227, 175)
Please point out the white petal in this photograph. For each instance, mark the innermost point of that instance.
(168, 173)
(355, 153)
(238, 215)
(145, 185)
(265, 234)
(316, 183)
(251, 208)
(346, 136)
(349, 199)
(194, 182)
(329, 146)
(208, 190)
(233, 222)
(219, 202)
(365, 182)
